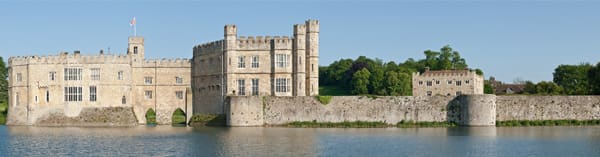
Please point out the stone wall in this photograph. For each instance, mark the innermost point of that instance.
(244, 111)
(468, 110)
(547, 107)
(72, 116)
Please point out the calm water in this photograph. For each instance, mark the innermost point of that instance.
(174, 141)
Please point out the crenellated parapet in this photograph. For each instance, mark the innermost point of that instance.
(65, 58)
(168, 63)
(215, 46)
(449, 73)
(264, 43)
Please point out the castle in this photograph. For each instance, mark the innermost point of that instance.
(255, 66)
(67, 83)
(446, 83)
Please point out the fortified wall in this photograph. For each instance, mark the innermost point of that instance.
(466, 110)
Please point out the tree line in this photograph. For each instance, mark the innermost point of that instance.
(581, 79)
(372, 76)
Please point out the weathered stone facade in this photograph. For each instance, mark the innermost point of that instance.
(447, 83)
(245, 66)
(75, 82)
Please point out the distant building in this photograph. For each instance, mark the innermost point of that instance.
(61, 83)
(446, 82)
(255, 66)
(501, 88)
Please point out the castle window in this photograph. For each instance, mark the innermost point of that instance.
(135, 50)
(47, 96)
(449, 81)
(241, 87)
(178, 80)
(123, 100)
(282, 85)
(148, 80)
(95, 73)
(300, 60)
(16, 99)
(179, 94)
(19, 77)
(458, 83)
(36, 99)
(72, 74)
(420, 82)
(466, 81)
(52, 75)
(148, 94)
(458, 93)
(428, 93)
(429, 83)
(241, 62)
(73, 94)
(254, 86)
(93, 95)
(313, 67)
(254, 61)
(120, 75)
(281, 60)
(437, 81)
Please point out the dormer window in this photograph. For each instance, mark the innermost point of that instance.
(135, 50)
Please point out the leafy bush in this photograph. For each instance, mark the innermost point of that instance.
(150, 116)
(324, 99)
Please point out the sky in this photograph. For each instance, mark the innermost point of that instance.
(509, 40)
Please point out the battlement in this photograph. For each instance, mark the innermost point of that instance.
(215, 46)
(445, 73)
(167, 62)
(299, 29)
(264, 43)
(312, 26)
(64, 57)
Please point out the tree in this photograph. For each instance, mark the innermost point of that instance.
(594, 79)
(487, 88)
(548, 88)
(3, 81)
(529, 88)
(360, 82)
(573, 78)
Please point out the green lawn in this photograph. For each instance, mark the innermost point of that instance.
(333, 91)
(3, 108)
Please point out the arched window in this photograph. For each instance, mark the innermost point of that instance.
(123, 100)
(135, 50)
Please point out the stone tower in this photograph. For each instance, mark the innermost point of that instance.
(299, 56)
(135, 49)
(312, 57)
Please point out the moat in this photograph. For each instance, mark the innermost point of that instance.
(260, 141)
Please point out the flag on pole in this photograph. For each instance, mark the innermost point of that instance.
(132, 23)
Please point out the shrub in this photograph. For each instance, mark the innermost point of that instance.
(150, 116)
(324, 99)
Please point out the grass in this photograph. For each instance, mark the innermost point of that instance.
(411, 124)
(150, 117)
(547, 122)
(178, 117)
(364, 124)
(333, 91)
(324, 99)
(202, 120)
(3, 112)
(355, 124)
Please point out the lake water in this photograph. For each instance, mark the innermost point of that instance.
(181, 141)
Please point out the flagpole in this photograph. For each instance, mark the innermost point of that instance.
(134, 30)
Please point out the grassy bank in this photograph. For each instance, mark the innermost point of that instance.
(547, 122)
(363, 124)
(202, 120)
(3, 112)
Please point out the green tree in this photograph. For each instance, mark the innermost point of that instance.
(573, 78)
(487, 88)
(530, 88)
(548, 88)
(360, 81)
(3, 81)
(594, 79)
(397, 83)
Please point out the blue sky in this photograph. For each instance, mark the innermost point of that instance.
(507, 39)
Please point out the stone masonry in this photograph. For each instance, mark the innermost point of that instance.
(69, 84)
(255, 66)
(446, 82)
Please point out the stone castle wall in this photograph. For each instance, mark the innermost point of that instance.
(468, 110)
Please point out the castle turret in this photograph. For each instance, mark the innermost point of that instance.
(312, 57)
(299, 57)
(135, 50)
